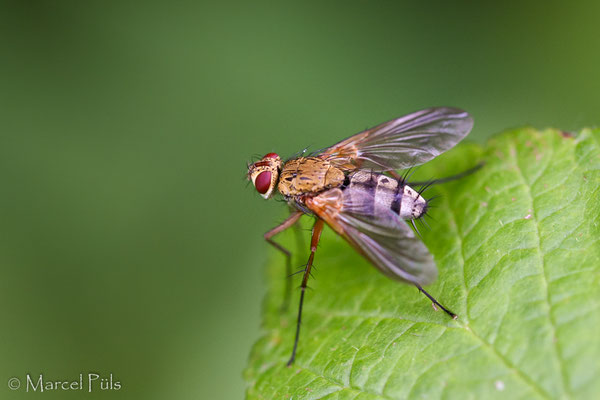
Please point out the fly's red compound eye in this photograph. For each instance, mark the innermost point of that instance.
(271, 155)
(262, 183)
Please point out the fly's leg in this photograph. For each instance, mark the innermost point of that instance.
(298, 231)
(291, 220)
(449, 178)
(435, 302)
(316, 235)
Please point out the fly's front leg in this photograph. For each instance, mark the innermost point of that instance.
(291, 220)
(316, 235)
(299, 233)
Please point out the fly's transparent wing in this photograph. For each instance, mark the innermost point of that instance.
(403, 142)
(381, 237)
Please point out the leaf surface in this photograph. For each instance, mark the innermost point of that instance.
(517, 248)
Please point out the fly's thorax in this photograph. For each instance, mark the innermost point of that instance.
(308, 175)
(381, 194)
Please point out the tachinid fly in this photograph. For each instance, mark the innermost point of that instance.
(353, 187)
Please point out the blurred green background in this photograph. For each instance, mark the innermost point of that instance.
(129, 243)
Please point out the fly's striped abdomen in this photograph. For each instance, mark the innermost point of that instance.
(377, 194)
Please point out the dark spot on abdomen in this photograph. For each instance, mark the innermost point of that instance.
(397, 202)
(346, 182)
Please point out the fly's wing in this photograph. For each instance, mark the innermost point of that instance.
(403, 142)
(380, 236)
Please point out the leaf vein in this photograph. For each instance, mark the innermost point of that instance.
(544, 275)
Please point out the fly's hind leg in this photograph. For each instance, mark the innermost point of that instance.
(316, 235)
(436, 303)
(291, 220)
(450, 178)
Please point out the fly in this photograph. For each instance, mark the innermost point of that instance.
(353, 187)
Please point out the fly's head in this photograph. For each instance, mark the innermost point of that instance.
(264, 174)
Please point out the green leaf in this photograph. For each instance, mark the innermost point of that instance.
(517, 248)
